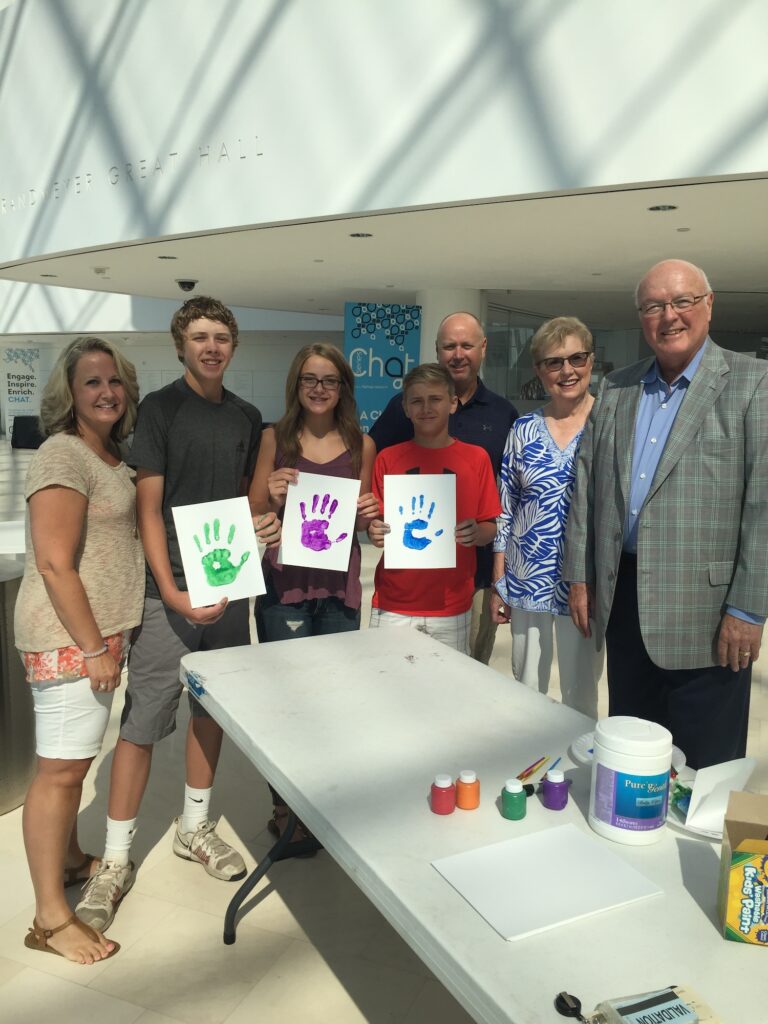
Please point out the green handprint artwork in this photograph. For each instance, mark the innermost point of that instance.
(217, 565)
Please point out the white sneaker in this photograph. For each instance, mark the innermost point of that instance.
(102, 894)
(208, 848)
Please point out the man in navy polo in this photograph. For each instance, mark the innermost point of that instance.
(482, 418)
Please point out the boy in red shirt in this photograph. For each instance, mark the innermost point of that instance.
(436, 601)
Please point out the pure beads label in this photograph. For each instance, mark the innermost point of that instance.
(634, 802)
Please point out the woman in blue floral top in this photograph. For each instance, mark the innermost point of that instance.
(537, 472)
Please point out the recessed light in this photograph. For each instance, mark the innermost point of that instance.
(361, 234)
(683, 229)
(167, 257)
(662, 208)
(49, 275)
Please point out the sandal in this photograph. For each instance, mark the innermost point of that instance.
(80, 873)
(301, 834)
(37, 937)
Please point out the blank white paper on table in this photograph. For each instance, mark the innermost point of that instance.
(538, 881)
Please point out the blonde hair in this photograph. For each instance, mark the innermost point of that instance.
(57, 407)
(555, 331)
(428, 373)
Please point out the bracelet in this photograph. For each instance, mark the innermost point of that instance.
(95, 654)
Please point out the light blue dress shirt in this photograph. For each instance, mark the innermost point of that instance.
(656, 412)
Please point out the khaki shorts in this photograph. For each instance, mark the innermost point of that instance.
(158, 645)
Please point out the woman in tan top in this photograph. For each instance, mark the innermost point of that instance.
(82, 593)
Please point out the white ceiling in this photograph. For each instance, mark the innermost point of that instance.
(546, 255)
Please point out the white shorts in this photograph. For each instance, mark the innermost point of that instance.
(451, 630)
(70, 718)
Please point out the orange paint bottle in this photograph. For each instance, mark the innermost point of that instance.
(467, 791)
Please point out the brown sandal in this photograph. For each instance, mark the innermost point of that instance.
(301, 834)
(37, 937)
(75, 876)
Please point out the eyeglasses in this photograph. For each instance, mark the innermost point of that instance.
(680, 304)
(556, 363)
(309, 382)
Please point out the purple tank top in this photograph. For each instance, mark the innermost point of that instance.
(294, 583)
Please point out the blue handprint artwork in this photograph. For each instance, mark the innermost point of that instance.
(420, 511)
(314, 532)
(415, 527)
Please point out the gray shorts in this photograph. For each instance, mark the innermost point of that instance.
(159, 643)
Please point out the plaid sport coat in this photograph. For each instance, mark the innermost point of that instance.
(703, 531)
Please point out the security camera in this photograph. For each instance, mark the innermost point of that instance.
(186, 283)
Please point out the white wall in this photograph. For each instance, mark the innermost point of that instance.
(142, 119)
(257, 373)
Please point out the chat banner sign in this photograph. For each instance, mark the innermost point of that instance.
(381, 344)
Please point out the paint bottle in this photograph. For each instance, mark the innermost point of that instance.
(467, 791)
(443, 796)
(630, 780)
(554, 790)
(513, 800)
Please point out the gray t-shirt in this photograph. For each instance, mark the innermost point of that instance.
(203, 449)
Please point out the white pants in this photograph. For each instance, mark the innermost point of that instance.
(70, 718)
(451, 630)
(578, 660)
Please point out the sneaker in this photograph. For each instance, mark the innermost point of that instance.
(102, 894)
(208, 848)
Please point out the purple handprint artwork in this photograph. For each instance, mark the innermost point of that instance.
(314, 532)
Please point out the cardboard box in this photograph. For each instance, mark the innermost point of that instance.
(743, 893)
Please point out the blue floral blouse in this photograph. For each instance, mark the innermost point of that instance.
(536, 487)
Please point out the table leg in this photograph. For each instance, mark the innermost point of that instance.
(277, 853)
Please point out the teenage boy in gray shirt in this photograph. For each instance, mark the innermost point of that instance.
(194, 442)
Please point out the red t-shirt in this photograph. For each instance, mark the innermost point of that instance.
(436, 591)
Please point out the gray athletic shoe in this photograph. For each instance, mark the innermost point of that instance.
(102, 894)
(208, 848)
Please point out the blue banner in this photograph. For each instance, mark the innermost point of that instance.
(381, 344)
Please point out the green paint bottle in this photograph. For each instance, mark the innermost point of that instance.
(513, 798)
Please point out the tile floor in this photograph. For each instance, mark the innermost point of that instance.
(314, 950)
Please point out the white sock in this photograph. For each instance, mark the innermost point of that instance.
(119, 838)
(196, 805)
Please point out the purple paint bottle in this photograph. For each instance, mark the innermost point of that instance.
(555, 790)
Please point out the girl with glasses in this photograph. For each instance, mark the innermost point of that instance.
(319, 433)
(537, 473)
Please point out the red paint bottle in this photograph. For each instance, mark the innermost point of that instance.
(443, 796)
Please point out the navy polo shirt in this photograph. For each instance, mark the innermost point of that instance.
(485, 420)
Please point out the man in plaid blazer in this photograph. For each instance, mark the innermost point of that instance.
(667, 539)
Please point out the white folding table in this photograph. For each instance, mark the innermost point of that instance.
(351, 729)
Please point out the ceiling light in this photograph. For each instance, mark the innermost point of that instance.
(662, 208)
(361, 234)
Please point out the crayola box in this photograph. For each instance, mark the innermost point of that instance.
(743, 893)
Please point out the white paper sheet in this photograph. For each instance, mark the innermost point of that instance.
(421, 513)
(219, 551)
(711, 789)
(319, 521)
(542, 880)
